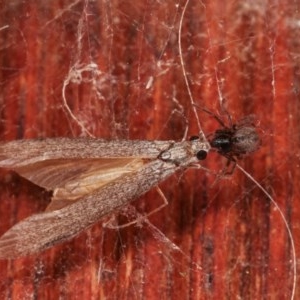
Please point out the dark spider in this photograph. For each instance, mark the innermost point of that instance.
(237, 140)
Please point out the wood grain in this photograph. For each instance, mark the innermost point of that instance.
(117, 65)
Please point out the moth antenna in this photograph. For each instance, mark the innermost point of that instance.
(289, 232)
(183, 67)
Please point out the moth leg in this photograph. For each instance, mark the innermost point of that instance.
(140, 218)
(165, 202)
(227, 171)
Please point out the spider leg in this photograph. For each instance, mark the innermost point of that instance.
(225, 111)
(215, 117)
(230, 166)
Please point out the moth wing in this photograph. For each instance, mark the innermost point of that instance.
(71, 179)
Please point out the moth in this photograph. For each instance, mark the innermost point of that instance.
(90, 178)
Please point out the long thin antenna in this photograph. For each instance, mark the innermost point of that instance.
(290, 235)
(183, 67)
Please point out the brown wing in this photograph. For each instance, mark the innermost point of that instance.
(70, 179)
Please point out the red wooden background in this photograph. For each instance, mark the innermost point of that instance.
(117, 64)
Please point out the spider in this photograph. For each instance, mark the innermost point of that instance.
(237, 140)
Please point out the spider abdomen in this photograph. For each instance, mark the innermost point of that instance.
(245, 140)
